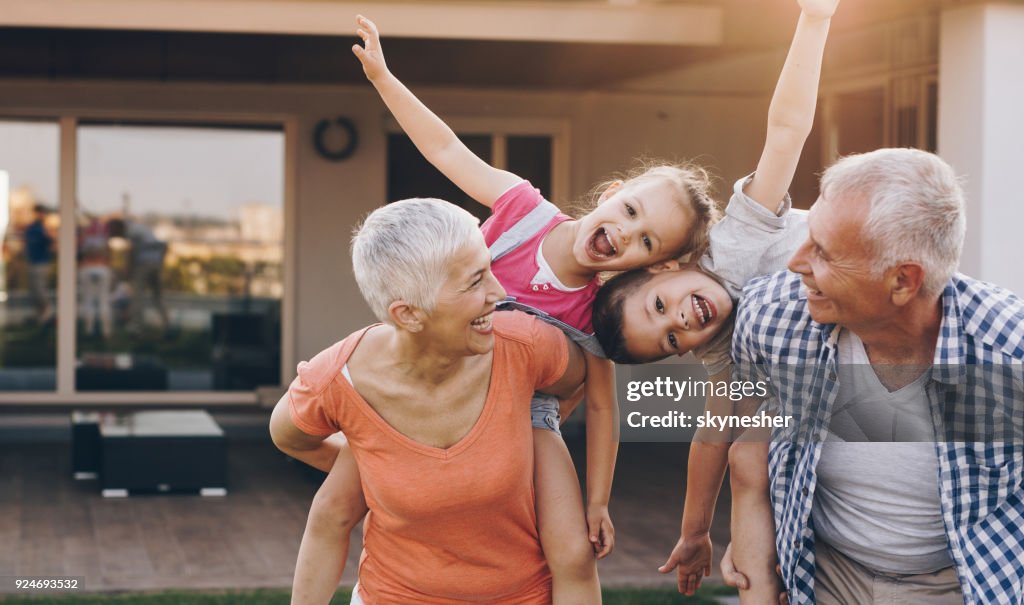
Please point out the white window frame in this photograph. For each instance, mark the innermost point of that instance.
(67, 295)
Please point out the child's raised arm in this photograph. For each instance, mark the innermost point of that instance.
(791, 114)
(429, 133)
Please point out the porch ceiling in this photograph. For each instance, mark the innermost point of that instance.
(64, 54)
(107, 50)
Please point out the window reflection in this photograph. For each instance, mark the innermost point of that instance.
(29, 153)
(180, 249)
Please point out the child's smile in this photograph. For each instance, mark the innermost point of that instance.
(637, 225)
(674, 312)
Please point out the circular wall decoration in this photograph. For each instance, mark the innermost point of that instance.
(345, 151)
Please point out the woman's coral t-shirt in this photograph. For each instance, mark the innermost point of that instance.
(445, 525)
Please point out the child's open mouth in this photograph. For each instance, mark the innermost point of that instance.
(601, 245)
(704, 309)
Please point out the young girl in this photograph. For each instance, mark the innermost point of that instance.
(671, 309)
(549, 262)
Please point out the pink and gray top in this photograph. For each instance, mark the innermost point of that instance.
(521, 270)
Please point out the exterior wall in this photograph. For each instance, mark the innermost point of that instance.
(981, 128)
(723, 133)
(607, 130)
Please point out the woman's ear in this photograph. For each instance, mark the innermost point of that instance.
(406, 316)
(610, 191)
(665, 265)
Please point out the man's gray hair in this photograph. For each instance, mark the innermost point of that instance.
(403, 251)
(916, 212)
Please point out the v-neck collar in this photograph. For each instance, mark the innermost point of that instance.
(368, 410)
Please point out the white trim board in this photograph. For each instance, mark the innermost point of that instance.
(561, 21)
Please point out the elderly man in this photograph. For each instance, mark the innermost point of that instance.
(873, 337)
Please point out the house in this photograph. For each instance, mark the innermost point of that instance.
(242, 137)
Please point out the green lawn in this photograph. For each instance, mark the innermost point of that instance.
(617, 596)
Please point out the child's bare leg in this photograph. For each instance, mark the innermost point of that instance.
(337, 508)
(753, 524)
(562, 524)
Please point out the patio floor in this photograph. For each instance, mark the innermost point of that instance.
(53, 525)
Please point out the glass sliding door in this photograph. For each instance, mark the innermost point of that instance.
(29, 185)
(180, 246)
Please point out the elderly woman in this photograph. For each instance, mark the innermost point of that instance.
(435, 404)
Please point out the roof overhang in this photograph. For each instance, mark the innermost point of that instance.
(606, 22)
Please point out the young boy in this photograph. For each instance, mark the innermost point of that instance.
(671, 309)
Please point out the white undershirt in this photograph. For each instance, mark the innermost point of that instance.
(546, 276)
(877, 495)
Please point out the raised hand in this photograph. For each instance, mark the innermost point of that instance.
(691, 558)
(820, 9)
(370, 54)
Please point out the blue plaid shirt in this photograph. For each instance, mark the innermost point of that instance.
(981, 459)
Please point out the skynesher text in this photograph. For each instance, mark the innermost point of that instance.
(680, 420)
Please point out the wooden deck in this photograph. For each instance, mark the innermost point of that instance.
(53, 525)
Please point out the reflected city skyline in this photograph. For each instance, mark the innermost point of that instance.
(179, 255)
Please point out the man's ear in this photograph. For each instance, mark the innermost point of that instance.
(406, 316)
(610, 191)
(665, 265)
(906, 282)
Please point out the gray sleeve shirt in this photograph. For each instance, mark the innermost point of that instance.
(749, 241)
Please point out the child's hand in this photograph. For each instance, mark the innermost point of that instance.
(371, 56)
(820, 9)
(602, 532)
(691, 558)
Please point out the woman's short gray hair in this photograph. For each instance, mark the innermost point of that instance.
(917, 209)
(402, 251)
